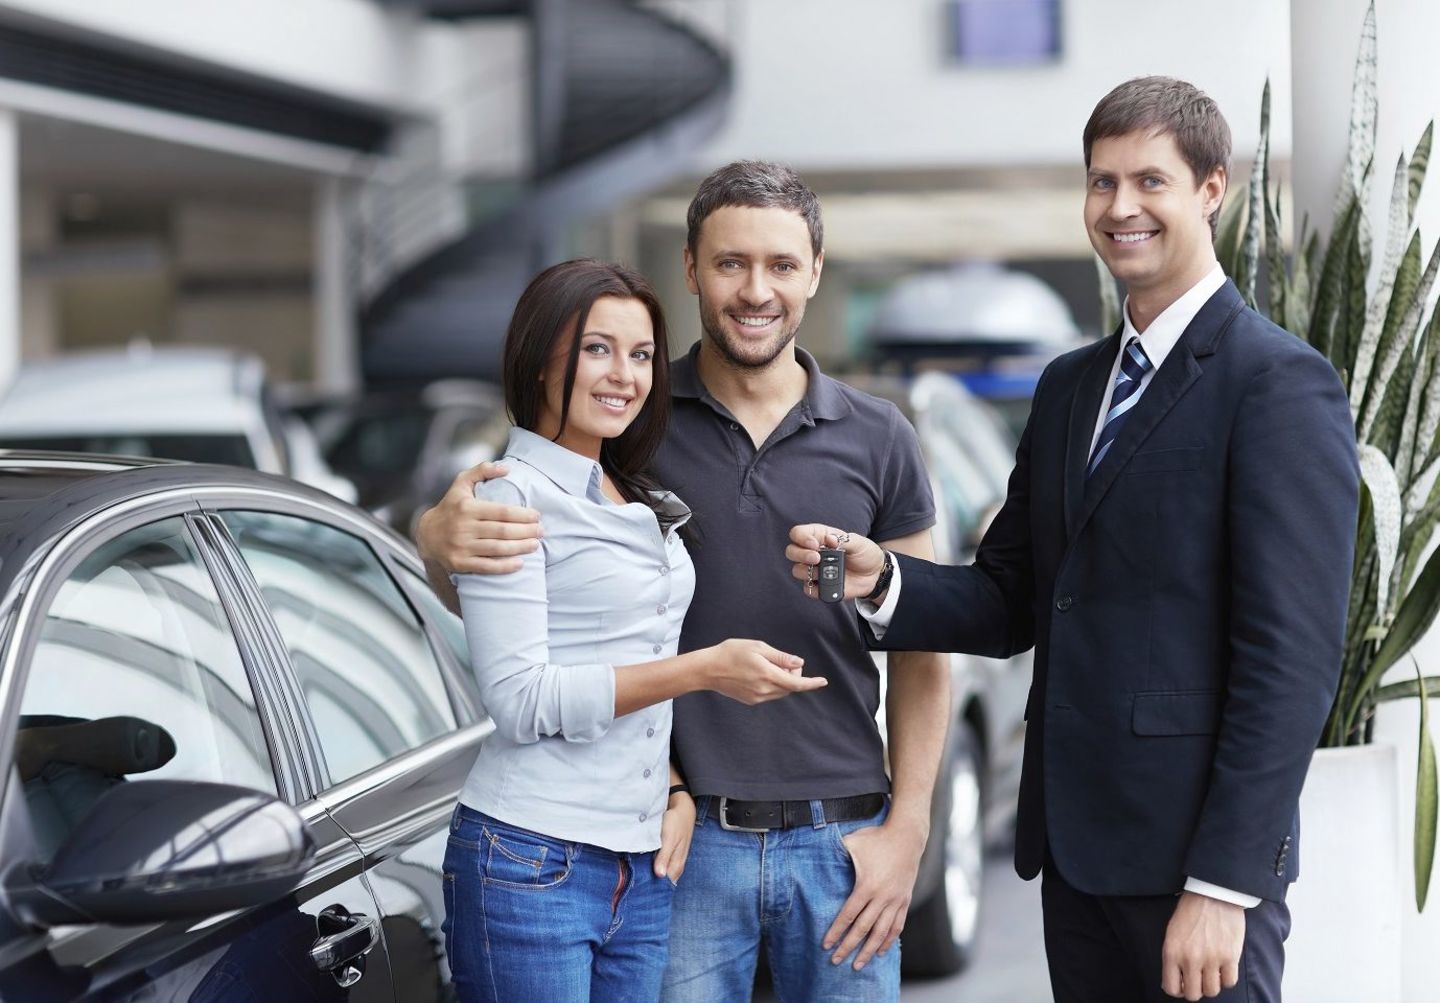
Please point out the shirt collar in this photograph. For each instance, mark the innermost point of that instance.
(823, 396)
(1165, 330)
(571, 472)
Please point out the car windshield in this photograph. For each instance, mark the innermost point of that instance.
(219, 448)
(382, 442)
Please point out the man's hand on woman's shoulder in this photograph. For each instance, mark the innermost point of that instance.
(464, 535)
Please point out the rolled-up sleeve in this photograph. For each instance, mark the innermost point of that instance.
(507, 627)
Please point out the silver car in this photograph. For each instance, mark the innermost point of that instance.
(968, 452)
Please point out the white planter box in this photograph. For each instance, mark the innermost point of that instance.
(1344, 945)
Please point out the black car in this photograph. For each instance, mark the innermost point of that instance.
(234, 722)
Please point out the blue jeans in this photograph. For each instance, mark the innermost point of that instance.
(784, 887)
(528, 917)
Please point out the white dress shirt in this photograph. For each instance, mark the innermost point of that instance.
(1157, 340)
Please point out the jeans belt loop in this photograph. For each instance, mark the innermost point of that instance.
(817, 814)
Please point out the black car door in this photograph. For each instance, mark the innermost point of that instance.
(396, 725)
(131, 662)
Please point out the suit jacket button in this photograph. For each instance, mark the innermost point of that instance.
(1064, 603)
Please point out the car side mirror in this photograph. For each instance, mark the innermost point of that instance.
(155, 850)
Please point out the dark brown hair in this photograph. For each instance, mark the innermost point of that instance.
(1167, 106)
(554, 308)
(754, 184)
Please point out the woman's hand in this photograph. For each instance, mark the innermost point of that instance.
(677, 827)
(752, 672)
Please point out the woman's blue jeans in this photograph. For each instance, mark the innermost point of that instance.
(528, 917)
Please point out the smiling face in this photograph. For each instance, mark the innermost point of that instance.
(754, 269)
(613, 374)
(1148, 216)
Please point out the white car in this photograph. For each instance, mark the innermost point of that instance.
(206, 405)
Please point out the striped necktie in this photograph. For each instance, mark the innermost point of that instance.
(1134, 364)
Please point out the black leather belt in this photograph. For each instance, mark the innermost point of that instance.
(762, 816)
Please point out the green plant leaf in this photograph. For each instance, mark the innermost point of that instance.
(1414, 617)
(1418, 162)
(1228, 235)
(1364, 112)
(1360, 614)
(1329, 286)
(1379, 478)
(1395, 233)
(1351, 319)
(1308, 247)
(1395, 339)
(1109, 297)
(1406, 689)
(1249, 265)
(1411, 454)
(1427, 432)
(1425, 801)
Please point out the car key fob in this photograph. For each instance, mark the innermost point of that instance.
(832, 575)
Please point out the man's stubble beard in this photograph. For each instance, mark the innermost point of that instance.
(713, 326)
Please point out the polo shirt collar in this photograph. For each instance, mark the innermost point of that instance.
(823, 398)
(571, 472)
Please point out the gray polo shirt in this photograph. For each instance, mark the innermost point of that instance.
(840, 457)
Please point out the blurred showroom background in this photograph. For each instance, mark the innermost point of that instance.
(289, 233)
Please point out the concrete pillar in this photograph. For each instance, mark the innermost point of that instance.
(1324, 38)
(39, 316)
(9, 245)
(337, 349)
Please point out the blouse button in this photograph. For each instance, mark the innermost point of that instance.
(656, 649)
(643, 816)
(660, 609)
(664, 569)
(649, 732)
(647, 773)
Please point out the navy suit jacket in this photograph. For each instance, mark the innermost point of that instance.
(1186, 603)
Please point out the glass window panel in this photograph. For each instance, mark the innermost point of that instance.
(369, 675)
(135, 675)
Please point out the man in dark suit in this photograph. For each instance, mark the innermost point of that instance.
(1176, 543)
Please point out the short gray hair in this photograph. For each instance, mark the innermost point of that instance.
(755, 184)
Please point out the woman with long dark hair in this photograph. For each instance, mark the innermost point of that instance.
(573, 827)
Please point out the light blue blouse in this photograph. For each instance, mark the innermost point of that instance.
(605, 588)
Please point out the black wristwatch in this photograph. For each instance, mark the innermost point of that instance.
(882, 584)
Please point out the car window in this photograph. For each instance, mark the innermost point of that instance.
(135, 675)
(452, 631)
(198, 447)
(370, 678)
(386, 442)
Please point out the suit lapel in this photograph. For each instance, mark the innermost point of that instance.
(1084, 412)
(1176, 376)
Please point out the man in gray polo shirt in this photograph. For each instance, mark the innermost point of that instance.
(793, 843)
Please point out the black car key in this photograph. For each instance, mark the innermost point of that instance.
(832, 575)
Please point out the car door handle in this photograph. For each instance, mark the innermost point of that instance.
(345, 938)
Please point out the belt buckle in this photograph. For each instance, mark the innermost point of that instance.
(725, 824)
